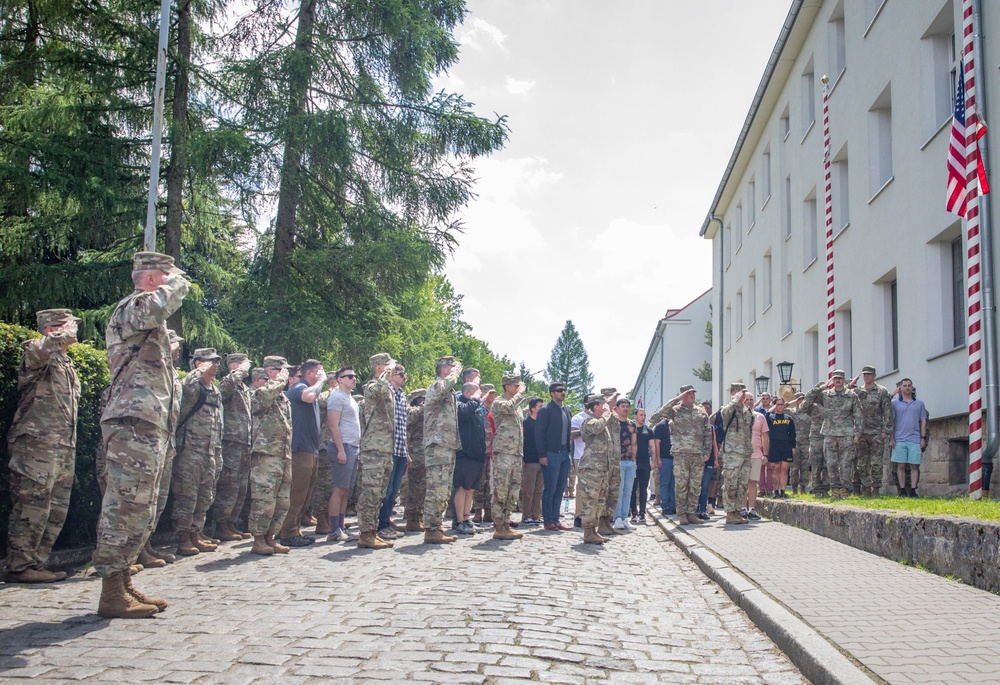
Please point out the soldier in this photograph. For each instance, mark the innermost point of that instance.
(819, 481)
(508, 450)
(877, 426)
(737, 422)
(234, 471)
(42, 447)
(803, 426)
(416, 475)
(440, 443)
(320, 503)
(270, 456)
(842, 421)
(691, 448)
(378, 434)
(600, 459)
(135, 424)
(615, 475)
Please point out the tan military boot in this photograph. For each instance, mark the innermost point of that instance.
(199, 535)
(604, 528)
(682, 519)
(148, 560)
(32, 575)
(275, 545)
(694, 520)
(226, 532)
(185, 547)
(734, 518)
(477, 515)
(116, 602)
(503, 531)
(153, 552)
(134, 568)
(160, 604)
(201, 542)
(260, 546)
(371, 541)
(591, 537)
(413, 523)
(436, 536)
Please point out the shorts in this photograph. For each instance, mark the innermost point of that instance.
(755, 464)
(468, 473)
(906, 453)
(779, 452)
(344, 475)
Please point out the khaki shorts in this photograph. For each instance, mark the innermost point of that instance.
(755, 463)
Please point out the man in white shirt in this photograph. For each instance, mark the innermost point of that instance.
(577, 454)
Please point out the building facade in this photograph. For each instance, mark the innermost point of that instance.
(898, 255)
(677, 348)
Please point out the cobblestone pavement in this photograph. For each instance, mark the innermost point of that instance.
(546, 608)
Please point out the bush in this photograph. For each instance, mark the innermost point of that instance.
(92, 370)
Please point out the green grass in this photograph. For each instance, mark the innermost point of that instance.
(987, 510)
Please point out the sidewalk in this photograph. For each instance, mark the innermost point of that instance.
(903, 625)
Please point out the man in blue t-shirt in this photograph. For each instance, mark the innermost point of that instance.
(664, 463)
(909, 438)
(305, 448)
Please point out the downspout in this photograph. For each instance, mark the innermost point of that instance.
(986, 228)
(717, 327)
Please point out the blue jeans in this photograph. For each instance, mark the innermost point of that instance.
(554, 478)
(395, 479)
(668, 497)
(706, 478)
(625, 489)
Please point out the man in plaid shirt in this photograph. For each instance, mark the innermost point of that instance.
(400, 457)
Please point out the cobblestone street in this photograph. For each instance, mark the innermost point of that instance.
(546, 608)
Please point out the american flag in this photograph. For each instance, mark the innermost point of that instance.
(958, 193)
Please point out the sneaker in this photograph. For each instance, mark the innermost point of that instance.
(703, 516)
(465, 528)
(349, 535)
(628, 524)
(743, 512)
(297, 541)
(620, 524)
(336, 536)
(753, 515)
(387, 534)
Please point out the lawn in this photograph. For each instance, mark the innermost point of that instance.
(987, 510)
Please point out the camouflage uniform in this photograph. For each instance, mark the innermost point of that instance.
(440, 443)
(819, 481)
(614, 470)
(482, 498)
(691, 439)
(508, 451)
(599, 461)
(876, 412)
(416, 474)
(378, 433)
(320, 503)
(738, 448)
(842, 422)
(42, 446)
(136, 421)
(803, 424)
(270, 458)
(234, 476)
(199, 452)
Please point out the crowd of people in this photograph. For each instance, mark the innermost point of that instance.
(262, 460)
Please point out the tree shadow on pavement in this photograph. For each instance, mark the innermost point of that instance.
(229, 562)
(37, 635)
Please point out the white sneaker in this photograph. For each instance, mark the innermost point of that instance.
(628, 524)
(620, 524)
(336, 536)
(349, 535)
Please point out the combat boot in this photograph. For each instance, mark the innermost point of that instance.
(436, 536)
(371, 541)
(160, 604)
(198, 535)
(148, 560)
(694, 520)
(502, 531)
(153, 552)
(185, 547)
(274, 544)
(591, 537)
(477, 515)
(682, 519)
(413, 524)
(734, 518)
(226, 533)
(134, 568)
(116, 602)
(604, 528)
(201, 542)
(32, 575)
(260, 546)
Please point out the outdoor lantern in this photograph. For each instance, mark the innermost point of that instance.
(761, 382)
(785, 372)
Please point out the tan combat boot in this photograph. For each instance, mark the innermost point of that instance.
(32, 575)
(148, 560)
(502, 531)
(604, 527)
(201, 542)
(477, 515)
(199, 535)
(591, 537)
(436, 536)
(694, 520)
(153, 552)
(413, 523)
(134, 568)
(226, 532)
(185, 547)
(734, 518)
(160, 604)
(682, 519)
(274, 544)
(371, 541)
(116, 602)
(260, 546)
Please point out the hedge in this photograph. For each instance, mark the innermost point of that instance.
(92, 370)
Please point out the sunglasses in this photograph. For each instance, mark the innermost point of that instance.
(562, 390)
(350, 376)
(400, 373)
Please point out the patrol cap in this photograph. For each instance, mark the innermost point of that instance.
(236, 358)
(838, 373)
(510, 379)
(174, 338)
(487, 388)
(259, 373)
(594, 397)
(205, 354)
(608, 392)
(800, 395)
(380, 359)
(737, 387)
(154, 261)
(54, 317)
(686, 389)
(445, 361)
(416, 395)
(868, 368)
(275, 362)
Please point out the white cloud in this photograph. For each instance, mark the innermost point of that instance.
(519, 87)
(477, 33)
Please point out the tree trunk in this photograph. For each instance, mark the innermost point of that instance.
(178, 144)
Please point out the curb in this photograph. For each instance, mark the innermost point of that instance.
(817, 658)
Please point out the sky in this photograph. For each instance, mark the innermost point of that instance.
(623, 116)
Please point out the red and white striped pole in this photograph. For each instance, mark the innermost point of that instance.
(974, 341)
(831, 326)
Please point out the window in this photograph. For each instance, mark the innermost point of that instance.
(738, 228)
(766, 284)
(872, 9)
(810, 229)
(808, 89)
(786, 298)
(841, 192)
(751, 205)
(729, 326)
(727, 238)
(786, 207)
(845, 336)
(880, 143)
(893, 347)
(784, 125)
(938, 69)
(739, 314)
(837, 43)
(752, 300)
(885, 312)
(812, 357)
(957, 293)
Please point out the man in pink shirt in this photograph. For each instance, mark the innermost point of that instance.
(759, 441)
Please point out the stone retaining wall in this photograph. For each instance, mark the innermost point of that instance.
(964, 548)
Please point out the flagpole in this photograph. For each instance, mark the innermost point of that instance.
(149, 242)
(831, 327)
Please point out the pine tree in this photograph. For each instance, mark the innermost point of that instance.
(569, 364)
(704, 372)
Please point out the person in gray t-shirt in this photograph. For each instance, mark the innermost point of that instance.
(344, 425)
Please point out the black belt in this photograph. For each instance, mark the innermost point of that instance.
(628, 458)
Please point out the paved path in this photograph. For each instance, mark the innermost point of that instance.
(547, 608)
(903, 624)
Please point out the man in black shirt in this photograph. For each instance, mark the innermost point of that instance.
(305, 448)
(643, 467)
(531, 478)
(552, 428)
(664, 463)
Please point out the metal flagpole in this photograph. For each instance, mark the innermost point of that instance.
(831, 327)
(149, 243)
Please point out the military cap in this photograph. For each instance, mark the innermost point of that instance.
(174, 338)
(445, 361)
(608, 392)
(416, 394)
(510, 379)
(275, 362)
(838, 373)
(259, 372)
(594, 397)
(331, 378)
(154, 261)
(868, 368)
(380, 359)
(487, 388)
(800, 395)
(737, 387)
(236, 358)
(205, 354)
(686, 388)
(57, 317)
